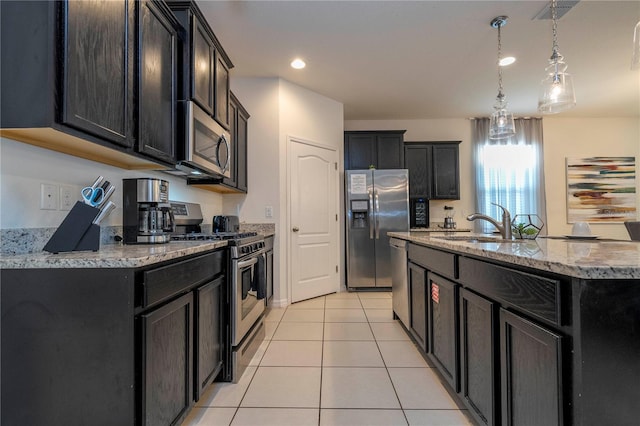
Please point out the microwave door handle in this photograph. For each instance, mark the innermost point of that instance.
(224, 166)
(377, 216)
(245, 263)
(228, 153)
(371, 218)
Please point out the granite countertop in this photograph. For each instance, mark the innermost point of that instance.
(438, 229)
(589, 259)
(110, 256)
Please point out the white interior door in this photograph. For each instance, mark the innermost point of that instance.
(314, 222)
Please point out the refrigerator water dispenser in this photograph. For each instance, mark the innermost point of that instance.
(360, 214)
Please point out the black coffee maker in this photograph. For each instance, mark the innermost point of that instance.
(147, 214)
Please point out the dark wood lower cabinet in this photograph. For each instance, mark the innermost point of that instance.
(209, 332)
(417, 281)
(166, 388)
(531, 372)
(479, 380)
(443, 326)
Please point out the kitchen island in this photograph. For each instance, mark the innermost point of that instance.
(541, 331)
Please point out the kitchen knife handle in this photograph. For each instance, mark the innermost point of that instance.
(97, 182)
(371, 218)
(104, 212)
(107, 195)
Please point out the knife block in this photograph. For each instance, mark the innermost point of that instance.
(77, 232)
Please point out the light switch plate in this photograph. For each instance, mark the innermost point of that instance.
(268, 211)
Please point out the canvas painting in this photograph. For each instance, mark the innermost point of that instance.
(601, 189)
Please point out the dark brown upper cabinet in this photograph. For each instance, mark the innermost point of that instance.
(434, 171)
(204, 63)
(98, 82)
(239, 127)
(378, 149)
(97, 69)
(202, 84)
(158, 79)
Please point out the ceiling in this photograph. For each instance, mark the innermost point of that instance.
(433, 59)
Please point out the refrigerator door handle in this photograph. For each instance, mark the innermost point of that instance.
(377, 216)
(371, 224)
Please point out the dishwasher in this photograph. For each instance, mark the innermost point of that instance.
(399, 285)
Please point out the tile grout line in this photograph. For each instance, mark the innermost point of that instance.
(244, 394)
(375, 339)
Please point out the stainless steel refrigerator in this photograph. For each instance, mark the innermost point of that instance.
(377, 202)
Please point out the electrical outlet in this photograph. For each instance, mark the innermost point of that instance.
(48, 196)
(268, 211)
(67, 199)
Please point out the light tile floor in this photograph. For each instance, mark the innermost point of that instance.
(337, 360)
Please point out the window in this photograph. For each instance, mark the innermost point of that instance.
(509, 172)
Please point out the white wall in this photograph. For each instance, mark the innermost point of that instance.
(279, 109)
(24, 167)
(563, 137)
(578, 137)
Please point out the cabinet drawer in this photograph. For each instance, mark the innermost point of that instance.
(435, 260)
(162, 283)
(535, 295)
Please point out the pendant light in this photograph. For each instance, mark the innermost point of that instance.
(556, 89)
(501, 125)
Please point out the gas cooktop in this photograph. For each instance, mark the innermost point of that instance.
(232, 237)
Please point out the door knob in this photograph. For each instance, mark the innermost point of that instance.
(296, 229)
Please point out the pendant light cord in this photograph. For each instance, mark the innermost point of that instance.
(500, 94)
(554, 27)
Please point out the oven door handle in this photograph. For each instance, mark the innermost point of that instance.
(245, 263)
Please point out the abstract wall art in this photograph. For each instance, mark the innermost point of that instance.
(601, 189)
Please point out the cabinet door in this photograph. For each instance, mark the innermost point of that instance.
(97, 94)
(478, 357)
(232, 181)
(158, 79)
(166, 335)
(360, 151)
(202, 67)
(242, 129)
(209, 332)
(443, 326)
(390, 151)
(531, 371)
(222, 92)
(446, 172)
(418, 161)
(417, 298)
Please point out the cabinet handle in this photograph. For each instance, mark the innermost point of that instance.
(295, 229)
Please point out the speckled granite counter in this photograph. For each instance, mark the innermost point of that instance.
(589, 259)
(266, 229)
(110, 256)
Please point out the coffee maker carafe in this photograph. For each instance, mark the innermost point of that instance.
(147, 214)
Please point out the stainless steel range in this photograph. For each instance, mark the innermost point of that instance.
(247, 285)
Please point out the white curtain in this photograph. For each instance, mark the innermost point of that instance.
(509, 172)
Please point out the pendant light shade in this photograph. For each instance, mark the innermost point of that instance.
(635, 59)
(556, 89)
(501, 124)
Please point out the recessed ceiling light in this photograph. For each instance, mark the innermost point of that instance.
(507, 60)
(298, 64)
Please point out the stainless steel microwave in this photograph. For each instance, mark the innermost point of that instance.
(207, 144)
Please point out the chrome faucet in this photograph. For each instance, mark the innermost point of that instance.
(504, 227)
